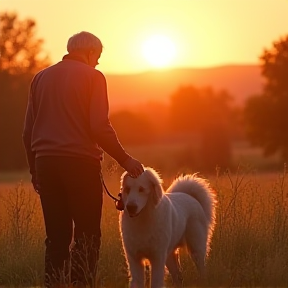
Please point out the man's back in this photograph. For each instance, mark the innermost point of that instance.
(61, 103)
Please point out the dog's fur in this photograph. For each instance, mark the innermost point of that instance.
(155, 224)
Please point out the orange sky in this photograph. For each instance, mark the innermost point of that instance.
(205, 32)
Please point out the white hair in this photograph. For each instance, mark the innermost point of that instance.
(84, 41)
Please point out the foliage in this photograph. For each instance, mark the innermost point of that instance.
(132, 128)
(266, 114)
(208, 115)
(21, 57)
(21, 52)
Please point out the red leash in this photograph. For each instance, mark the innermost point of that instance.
(118, 202)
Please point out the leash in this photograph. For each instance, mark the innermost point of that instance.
(118, 202)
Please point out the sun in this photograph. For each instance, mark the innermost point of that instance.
(159, 51)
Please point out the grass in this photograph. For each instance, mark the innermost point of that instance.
(21, 238)
(249, 246)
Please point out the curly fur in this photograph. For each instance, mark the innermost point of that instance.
(155, 224)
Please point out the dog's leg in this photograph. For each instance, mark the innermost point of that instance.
(173, 265)
(196, 239)
(157, 271)
(137, 273)
(199, 259)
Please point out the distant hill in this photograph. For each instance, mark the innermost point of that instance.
(241, 81)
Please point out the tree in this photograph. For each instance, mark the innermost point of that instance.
(21, 57)
(21, 52)
(132, 128)
(266, 115)
(207, 116)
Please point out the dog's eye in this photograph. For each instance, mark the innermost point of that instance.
(127, 190)
(141, 189)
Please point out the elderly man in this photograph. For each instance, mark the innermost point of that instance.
(66, 127)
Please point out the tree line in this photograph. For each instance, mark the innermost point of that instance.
(21, 57)
(196, 114)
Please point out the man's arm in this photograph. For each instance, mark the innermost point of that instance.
(103, 132)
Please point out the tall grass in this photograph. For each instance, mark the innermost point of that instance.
(249, 246)
(21, 238)
(250, 242)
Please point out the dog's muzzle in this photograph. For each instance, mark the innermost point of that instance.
(132, 209)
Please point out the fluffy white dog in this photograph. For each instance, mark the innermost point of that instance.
(155, 224)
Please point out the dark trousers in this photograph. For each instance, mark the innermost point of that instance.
(71, 199)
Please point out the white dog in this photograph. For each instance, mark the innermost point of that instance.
(155, 224)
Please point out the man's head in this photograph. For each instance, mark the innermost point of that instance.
(86, 44)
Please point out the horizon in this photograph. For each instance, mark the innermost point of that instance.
(169, 69)
(198, 34)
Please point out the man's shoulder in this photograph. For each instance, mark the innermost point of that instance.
(99, 74)
(81, 66)
(73, 67)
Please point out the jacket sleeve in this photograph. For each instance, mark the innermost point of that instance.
(27, 132)
(102, 130)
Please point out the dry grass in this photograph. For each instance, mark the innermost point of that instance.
(249, 247)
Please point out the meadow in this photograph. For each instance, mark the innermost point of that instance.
(249, 246)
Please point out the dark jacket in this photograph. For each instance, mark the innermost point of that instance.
(67, 115)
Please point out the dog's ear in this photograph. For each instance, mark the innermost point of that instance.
(156, 183)
(122, 178)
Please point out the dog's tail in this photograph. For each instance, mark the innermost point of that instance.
(200, 189)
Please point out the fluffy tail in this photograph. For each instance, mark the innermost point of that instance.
(199, 189)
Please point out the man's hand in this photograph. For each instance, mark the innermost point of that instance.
(35, 183)
(133, 167)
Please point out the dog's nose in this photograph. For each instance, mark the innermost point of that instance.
(131, 208)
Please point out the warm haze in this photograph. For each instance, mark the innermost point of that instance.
(196, 33)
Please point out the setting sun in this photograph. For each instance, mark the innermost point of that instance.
(159, 50)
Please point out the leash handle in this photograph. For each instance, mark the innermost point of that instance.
(118, 202)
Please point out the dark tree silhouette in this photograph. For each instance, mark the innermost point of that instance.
(266, 115)
(21, 52)
(132, 128)
(207, 116)
(21, 57)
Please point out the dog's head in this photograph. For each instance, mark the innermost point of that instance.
(138, 192)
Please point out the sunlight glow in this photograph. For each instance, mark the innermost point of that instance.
(159, 50)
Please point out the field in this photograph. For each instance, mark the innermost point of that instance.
(249, 247)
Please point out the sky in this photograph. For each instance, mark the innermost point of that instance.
(200, 33)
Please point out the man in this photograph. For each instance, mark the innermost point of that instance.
(66, 127)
